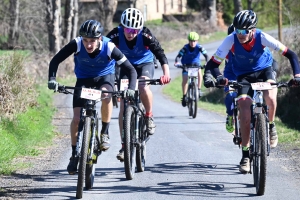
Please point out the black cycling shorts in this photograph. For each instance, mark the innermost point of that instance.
(91, 83)
(144, 69)
(259, 76)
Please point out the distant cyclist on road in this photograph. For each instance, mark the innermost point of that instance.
(139, 44)
(252, 61)
(94, 57)
(190, 55)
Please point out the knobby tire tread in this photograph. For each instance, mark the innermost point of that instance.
(129, 148)
(82, 162)
(141, 151)
(261, 134)
(195, 99)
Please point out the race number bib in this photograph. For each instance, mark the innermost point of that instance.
(261, 86)
(193, 71)
(124, 84)
(87, 93)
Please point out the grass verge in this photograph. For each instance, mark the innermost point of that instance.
(27, 133)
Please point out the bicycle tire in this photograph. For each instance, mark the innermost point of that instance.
(141, 149)
(194, 100)
(129, 146)
(90, 166)
(260, 157)
(83, 157)
(189, 97)
(115, 101)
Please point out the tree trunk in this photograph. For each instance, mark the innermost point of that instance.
(14, 23)
(211, 12)
(53, 22)
(238, 6)
(75, 20)
(69, 13)
(107, 10)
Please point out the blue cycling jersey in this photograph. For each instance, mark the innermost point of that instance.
(139, 54)
(87, 67)
(257, 59)
(192, 57)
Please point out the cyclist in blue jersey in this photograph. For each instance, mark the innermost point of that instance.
(190, 55)
(139, 45)
(252, 61)
(94, 58)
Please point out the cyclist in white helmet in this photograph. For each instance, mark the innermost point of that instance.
(138, 44)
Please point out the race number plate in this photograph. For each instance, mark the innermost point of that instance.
(87, 93)
(193, 71)
(124, 84)
(261, 86)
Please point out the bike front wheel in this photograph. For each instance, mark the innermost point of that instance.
(260, 154)
(192, 99)
(129, 143)
(83, 157)
(141, 149)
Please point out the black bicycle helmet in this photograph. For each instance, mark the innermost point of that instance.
(91, 29)
(230, 29)
(245, 19)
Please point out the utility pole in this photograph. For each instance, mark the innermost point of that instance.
(280, 20)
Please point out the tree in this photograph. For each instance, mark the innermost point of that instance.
(53, 23)
(14, 22)
(70, 20)
(211, 12)
(238, 6)
(107, 10)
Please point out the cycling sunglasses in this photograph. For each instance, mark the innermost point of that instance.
(131, 30)
(242, 32)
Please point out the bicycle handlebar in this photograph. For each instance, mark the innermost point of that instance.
(185, 66)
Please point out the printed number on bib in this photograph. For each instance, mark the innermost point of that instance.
(261, 86)
(124, 84)
(91, 94)
(193, 71)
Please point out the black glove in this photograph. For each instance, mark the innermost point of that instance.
(52, 84)
(129, 93)
(221, 80)
(208, 80)
(203, 66)
(294, 82)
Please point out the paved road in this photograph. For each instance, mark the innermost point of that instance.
(186, 159)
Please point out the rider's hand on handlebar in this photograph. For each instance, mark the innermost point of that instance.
(208, 80)
(129, 93)
(52, 84)
(221, 80)
(165, 79)
(294, 82)
(177, 64)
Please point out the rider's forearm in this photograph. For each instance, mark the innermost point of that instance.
(213, 68)
(165, 68)
(293, 60)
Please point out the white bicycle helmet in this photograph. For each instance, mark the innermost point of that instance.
(132, 18)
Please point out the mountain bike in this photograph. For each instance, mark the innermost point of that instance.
(134, 133)
(192, 92)
(88, 140)
(259, 132)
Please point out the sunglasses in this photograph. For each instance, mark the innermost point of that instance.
(130, 30)
(242, 32)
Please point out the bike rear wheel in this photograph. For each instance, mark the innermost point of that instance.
(83, 157)
(141, 149)
(260, 155)
(129, 143)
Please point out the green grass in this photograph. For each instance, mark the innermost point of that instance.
(27, 134)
